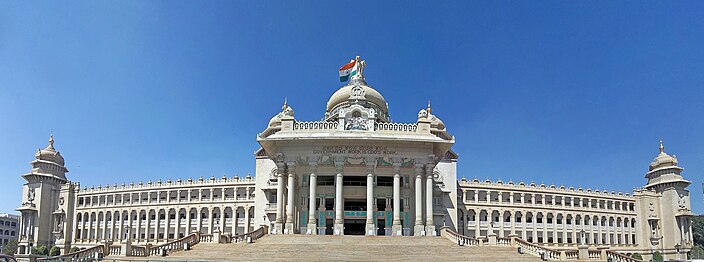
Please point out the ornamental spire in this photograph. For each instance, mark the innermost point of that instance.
(430, 110)
(662, 148)
(51, 141)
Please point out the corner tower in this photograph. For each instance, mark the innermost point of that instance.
(40, 223)
(664, 207)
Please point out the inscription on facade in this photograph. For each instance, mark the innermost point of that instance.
(365, 150)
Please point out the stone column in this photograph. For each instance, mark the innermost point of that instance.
(188, 222)
(396, 227)
(429, 224)
(476, 198)
(278, 224)
(370, 228)
(200, 221)
(313, 184)
(419, 228)
(246, 219)
(168, 224)
(139, 226)
(501, 220)
(290, 208)
(339, 227)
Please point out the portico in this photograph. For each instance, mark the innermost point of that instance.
(355, 172)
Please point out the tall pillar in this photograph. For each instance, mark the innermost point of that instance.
(419, 228)
(396, 227)
(290, 208)
(312, 226)
(246, 219)
(370, 228)
(168, 224)
(429, 223)
(188, 222)
(278, 224)
(339, 227)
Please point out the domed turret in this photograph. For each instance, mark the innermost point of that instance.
(357, 92)
(663, 160)
(50, 154)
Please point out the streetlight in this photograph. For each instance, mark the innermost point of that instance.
(677, 248)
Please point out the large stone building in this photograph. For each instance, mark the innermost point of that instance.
(9, 225)
(356, 172)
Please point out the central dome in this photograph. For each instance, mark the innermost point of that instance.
(342, 97)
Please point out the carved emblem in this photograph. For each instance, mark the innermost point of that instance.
(357, 93)
(61, 201)
(30, 194)
(356, 122)
(682, 202)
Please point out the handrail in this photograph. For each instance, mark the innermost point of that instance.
(174, 245)
(537, 250)
(81, 255)
(618, 257)
(254, 235)
(461, 240)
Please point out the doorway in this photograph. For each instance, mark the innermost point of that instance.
(354, 226)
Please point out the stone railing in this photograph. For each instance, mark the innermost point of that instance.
(536, 250)
(582, 253)
(138, 251)
(114, 250)
(206, 238)
(461, 240)
(315, 125)
(88, 254)
(618, 257)
(396, 127)
(248, 237)
(175, 245)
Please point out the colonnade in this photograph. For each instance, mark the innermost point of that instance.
(551, 227)
(284, 222)
(161, 225)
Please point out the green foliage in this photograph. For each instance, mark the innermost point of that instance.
(54, 251)
(657, 257)
(10, 248)
(636, 256)
(697, 252)
(698, 230)
(40, 250)
(74, 249)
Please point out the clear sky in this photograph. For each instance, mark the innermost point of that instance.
(575, 93)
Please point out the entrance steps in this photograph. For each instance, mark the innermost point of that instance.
(349, 248)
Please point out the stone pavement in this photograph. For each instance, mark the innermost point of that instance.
(344, 248)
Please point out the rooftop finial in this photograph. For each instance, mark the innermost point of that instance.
(662, 148)
(285, 104)
(430, 110)
(51, 140)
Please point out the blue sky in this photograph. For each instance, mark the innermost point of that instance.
(574, 93)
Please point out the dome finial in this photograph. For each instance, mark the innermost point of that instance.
(285, 104)
(662, 148)
(430, 110)
(51, 140)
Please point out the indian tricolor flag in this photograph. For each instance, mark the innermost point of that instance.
(348, 70)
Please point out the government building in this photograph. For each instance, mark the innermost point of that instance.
(356, 172)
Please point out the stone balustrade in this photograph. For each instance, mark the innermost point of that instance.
(315, 125)
(395, 127)
(545, 253)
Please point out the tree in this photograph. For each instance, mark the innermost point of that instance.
(657, 257)
(40, 250)
(636, 256)
(698, 230)
(54, 251)
(10, 248)
(74, 249)
(697, 252)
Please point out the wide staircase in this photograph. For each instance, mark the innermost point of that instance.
(349, 248)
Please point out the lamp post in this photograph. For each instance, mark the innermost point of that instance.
(677, 248)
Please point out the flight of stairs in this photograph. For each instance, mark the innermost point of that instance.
(349, 248)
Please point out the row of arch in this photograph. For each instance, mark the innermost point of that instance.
(8, 233)
(161, 225)
(8, 223)
(550, 227)
(501, 197)
(219, 193)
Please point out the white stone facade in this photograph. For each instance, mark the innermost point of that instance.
(322, 177)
